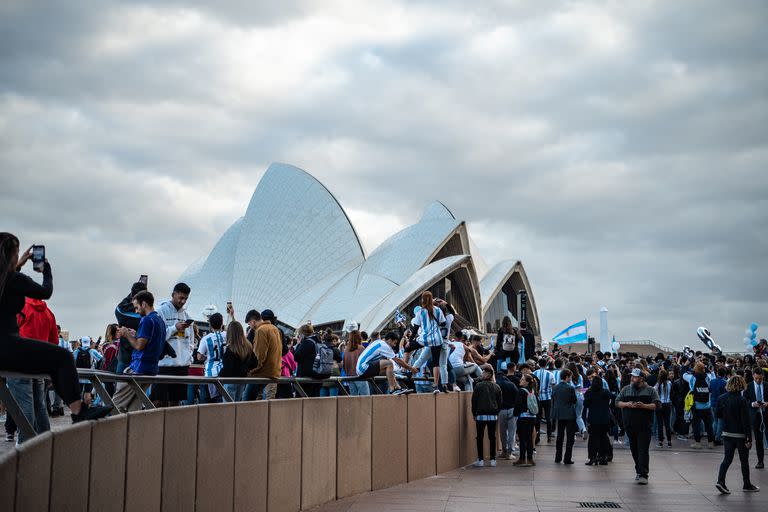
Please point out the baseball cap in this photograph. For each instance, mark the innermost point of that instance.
(85, 341)
(637, 372)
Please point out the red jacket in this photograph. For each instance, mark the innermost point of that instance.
(37, 322)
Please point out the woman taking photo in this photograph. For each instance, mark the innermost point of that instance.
(238, 359)
(29, 356)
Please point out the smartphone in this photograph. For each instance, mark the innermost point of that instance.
(38, 257)
(144, 278)
(229, 304)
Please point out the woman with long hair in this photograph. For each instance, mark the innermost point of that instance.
(578, 382)
(597, 401)
(351, 354)
(526, 421)
(664, 388)
(733, 409)
(506, 341)
(30, 356)
(429, 318)
(238, 359)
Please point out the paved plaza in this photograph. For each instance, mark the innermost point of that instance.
(680, 481)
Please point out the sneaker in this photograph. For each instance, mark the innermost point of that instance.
(57, 411)
(10, 437)
(751, 488)
(637, 477)
(759, 465)
(590, 463)
(436, 392)
(661, 444)
(91, 412)
(402, 391)
(643, 480)
(669, 444)
(682, 438)
(516, 449)
(722, 488)
(456, 388)
(478, 463)
(696, 446)
(493, 463)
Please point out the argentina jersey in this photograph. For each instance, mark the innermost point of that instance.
(212, 347)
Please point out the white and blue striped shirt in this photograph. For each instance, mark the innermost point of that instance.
(212, 347)
(375, 351)
(546, 381)
(556, 375)
(429, 334)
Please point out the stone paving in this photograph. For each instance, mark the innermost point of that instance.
(680, 481)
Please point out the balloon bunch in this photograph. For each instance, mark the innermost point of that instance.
(751, 339)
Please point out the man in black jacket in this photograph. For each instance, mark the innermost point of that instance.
(564, 416)
(507, 419)
(755, 394)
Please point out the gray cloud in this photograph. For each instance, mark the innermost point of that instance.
(620, 151)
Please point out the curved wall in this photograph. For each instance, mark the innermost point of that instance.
(281, 455)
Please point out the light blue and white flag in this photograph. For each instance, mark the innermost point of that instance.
(576, 333)
(399, 317)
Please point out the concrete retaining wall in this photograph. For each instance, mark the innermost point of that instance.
(282, 455)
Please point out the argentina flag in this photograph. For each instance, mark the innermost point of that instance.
(399, 317)
(576, 333)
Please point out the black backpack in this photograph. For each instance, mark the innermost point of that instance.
(323, 363)
(83, 359)
(700, 390)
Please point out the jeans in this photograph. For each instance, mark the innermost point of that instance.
(580, 411)
(462, 372)
(704, 415)
(507, 429)
(639, 444)
(662, 422)
(426, 354)
(30, 395)
(480, 426)
(236, 391)
(359, 388)
(328, 391)
(717, 426)
(731, 444)
(567, 428)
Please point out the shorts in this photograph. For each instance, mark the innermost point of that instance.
(170, 392)
(374, 370)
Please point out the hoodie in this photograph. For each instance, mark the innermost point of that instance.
(37, 322)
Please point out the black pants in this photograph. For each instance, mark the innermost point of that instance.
(681, 426)
(525, 434)
(545, 412)
(732, 444)
(480, 427)
(704, 415)
(598, 444)
(567, 428)
(639, 444)
(758, 433)
(662, 421)
(30, 356)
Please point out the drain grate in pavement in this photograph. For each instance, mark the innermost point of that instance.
(597, 504)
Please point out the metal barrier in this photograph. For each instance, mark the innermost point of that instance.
(99, 377)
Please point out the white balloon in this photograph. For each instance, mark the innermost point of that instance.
(749, 332)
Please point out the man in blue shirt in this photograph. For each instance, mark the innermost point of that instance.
(147, 343)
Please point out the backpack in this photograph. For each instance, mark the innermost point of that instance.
(533, 404)
(83, 359)
(700, 390)
(508, 343)
(323, 363)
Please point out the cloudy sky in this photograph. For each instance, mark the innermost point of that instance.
(620, 149)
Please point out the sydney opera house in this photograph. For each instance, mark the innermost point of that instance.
(296, 252)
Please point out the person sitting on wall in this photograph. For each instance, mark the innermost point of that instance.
(379, 358)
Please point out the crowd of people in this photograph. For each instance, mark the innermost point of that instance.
(524, 392)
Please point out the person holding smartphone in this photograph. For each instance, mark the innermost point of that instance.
(180, 336)
(23, 355)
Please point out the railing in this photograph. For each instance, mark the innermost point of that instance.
(98, 378)
(646, 342)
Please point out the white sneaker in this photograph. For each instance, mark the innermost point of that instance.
(478, 463)
(456, 388)
(493, 463)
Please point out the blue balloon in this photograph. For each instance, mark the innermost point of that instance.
(753, 335)
(754, 342)
(753, 327)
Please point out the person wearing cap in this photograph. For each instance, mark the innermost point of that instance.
(638, 403)
(268, 347)
(86, 357)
